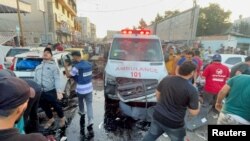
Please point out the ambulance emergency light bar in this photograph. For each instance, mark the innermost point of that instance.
(140, 31)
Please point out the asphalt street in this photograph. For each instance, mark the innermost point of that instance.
(134, 134)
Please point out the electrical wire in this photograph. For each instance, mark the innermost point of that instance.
(123, 9)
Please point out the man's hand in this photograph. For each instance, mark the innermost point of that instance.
(65, 64)
(218, 106)
(59, 96)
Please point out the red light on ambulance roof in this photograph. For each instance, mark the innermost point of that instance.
(141, 32)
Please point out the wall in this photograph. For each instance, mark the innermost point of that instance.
(3, 51)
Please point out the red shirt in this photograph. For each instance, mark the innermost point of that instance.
(1, 67)
(216, 76)
(200, 64)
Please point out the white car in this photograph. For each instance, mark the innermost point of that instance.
(231, 59)
(34, 58)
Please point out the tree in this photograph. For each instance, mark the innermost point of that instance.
(169, 14)
(243, 27)
(213, 20)
(142, 23)
(158, 18)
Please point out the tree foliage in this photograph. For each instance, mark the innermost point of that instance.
(213, 20)
(242, 27)
(169, 14)
(142, 24)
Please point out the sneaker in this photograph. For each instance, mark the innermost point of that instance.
(165, 135)
(49, 123)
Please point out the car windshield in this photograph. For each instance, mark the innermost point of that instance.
(136, 50)
(13, 52)
(27, 64)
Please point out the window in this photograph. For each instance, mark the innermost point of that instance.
(13, 52)
(136, 50)
(27, 64)
(57, 5)
(233, 60)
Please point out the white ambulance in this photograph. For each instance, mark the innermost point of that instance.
(134, 68)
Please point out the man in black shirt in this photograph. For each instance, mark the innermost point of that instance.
(14, 97)
(175, 94)
(241, 68)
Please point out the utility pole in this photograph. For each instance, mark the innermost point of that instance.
(20, 24)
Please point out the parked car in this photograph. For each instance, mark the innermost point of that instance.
(84, 54)
(231, 59)
(24, 66)
(11, 54)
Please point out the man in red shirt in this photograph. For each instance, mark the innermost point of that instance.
(216, 75)
(199, 61)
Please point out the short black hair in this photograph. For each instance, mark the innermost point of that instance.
(76, 53)
(247, 59)
(197, 52)
(187, 68)
(189, 52)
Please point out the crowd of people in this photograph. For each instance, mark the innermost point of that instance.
(176, 94)
(20, 99)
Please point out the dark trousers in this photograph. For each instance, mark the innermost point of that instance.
(48, 100)
(30, 115)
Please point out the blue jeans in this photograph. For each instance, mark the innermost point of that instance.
(88, 99)
(157, 129)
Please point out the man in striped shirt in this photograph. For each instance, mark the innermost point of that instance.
(82, 74)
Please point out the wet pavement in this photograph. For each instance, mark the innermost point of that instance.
(134, 134)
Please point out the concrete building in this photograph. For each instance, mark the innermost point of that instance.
(233, 40)
(50, 21)
(93, 32)
(86, 28)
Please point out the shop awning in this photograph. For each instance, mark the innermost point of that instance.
(10, 6)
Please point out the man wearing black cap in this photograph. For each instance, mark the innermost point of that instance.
(14, 96)
(82, 74)
(47, 75)
(31, 122)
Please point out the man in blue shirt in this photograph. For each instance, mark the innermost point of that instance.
(188, 57)
(82, 74)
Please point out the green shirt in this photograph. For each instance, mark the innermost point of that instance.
(238, 100)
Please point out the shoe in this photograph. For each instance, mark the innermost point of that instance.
(82, 125)
(90, 133)
(49, 123)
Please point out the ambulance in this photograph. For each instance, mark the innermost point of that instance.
(135, 66)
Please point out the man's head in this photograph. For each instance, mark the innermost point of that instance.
(14, 98)
(189, 55)
(216, 58)
(197, 53)
(47, 54)
(76, 55)
(187, 69)
(247, 60)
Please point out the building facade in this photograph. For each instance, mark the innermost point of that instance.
(88, 29)
(93, 32)
(49, 21)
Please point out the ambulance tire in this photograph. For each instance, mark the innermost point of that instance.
(111, 114)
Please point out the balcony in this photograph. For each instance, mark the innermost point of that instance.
(69, 6)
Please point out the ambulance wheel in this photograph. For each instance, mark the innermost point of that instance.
(111, 114)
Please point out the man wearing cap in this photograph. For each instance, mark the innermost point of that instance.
(241, 68)
(31, 122)
(82, 74)
(216, 75)
(47, 75)
(14, 97)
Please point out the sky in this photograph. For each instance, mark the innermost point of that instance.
(120, 14)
